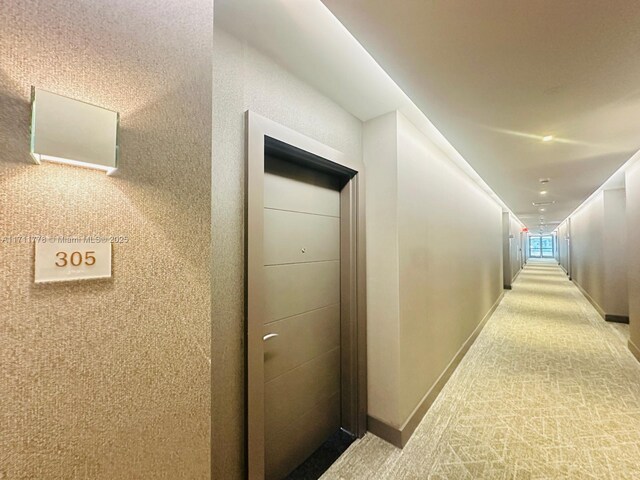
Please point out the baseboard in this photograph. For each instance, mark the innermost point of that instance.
(591, 300)
(616, 318)
(607, 316)
(634, 349)
(385, 431)
(516, 276)
(400, 436)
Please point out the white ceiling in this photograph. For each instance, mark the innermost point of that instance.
(304, 37)
(493, 76)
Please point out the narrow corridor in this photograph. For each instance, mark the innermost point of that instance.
(548, 390)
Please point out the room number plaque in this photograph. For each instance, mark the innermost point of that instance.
(61, 262)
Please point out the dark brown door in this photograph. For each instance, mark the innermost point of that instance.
(301, 313)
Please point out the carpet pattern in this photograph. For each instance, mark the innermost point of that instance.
(547, 391)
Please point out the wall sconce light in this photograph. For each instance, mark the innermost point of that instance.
(64, 130)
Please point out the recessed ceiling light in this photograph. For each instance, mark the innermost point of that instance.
(543, 192)
(547, 138)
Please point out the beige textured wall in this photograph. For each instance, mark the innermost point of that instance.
(563, 246)
(422, 310)
(615, 244)
(511, 246)
(380, 146)
(109, 379)
(448, 279)
(587, 249)
(599, 251)
(245, 79)
(632, 182)
(515, 247)
(506, 249)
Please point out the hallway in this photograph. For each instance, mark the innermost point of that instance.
(548, 390)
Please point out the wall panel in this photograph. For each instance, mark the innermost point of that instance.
(632, 181)
(598, 254)
(434, 238)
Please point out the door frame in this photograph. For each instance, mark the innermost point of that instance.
(263, 134)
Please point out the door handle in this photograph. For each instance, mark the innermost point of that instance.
(269, 335)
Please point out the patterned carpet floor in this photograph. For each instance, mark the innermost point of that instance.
(547, 391)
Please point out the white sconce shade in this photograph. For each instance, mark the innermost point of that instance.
(65, 130)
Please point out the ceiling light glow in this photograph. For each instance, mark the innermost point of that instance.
(547, 138)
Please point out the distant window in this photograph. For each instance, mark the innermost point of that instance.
(541, 246)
